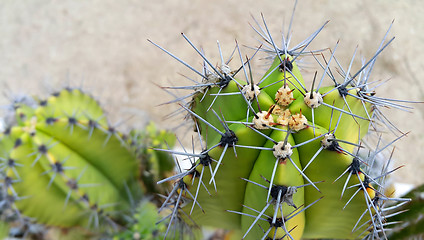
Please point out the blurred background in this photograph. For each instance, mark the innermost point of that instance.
(102, 46)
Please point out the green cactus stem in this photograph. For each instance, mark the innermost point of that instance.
(155, 165)
(281, 160)
(65, 165)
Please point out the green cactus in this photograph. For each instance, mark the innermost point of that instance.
(409, 216)
(281, 160)
(145, 226)
(64, 165)
(154, 165)
(149, 225)
(4, 230)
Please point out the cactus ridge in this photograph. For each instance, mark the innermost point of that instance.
(63, 153)
(297, 166)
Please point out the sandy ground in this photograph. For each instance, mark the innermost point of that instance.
(102, 46)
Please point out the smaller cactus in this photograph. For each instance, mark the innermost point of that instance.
(408, 216)
(146, 216)
(64, 165)
(154, 165)
(150, 225)
(4, 230)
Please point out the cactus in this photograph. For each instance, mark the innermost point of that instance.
(149, 225)
(154, 165)
(64, 165)
(145, 226)
(409, 216)
(4, 230)
(280, 159)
